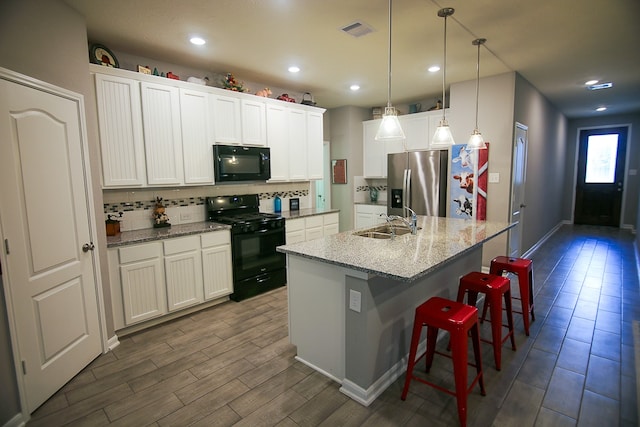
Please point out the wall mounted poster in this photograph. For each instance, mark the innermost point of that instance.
(468, 182)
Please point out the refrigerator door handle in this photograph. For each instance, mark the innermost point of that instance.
(407, 190)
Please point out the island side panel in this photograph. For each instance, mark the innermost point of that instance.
(378, 338)
(316, 314)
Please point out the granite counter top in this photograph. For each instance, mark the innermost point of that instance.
(407, 257)
(306, 212)
(151, 234)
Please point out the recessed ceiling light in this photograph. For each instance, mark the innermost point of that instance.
(354, 87)
(199, 41)
(590, 82)
(434, 68)
(601, 108)
(294, 69)
(600, 86)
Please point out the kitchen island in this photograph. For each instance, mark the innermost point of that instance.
(352, 298)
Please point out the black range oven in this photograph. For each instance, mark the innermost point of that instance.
(257, 267)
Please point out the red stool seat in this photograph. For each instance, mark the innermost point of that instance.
(458, 319)
(495, 288)
(523, 268)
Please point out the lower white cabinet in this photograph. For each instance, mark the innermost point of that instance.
(149, 280)
(369, 215)
(183, 270)
(216, 264)
(311, 227)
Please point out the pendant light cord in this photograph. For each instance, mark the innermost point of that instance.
(444, 71)
(389, 76)
(477, 84)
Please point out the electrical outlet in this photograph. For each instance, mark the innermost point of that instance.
(355, 300)
(185, 216)
(494, 178)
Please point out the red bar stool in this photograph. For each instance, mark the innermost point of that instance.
(523, 268)
(495, 288)
(457, 319)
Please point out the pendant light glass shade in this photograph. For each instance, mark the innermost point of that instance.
(390, 128)
(476, 141)
(443, 138)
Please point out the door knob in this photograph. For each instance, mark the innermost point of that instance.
(522, 205)
(88, 247)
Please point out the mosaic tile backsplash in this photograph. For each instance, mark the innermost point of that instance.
(186, 205)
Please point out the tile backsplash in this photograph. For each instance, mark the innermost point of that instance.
(187, 204)
(362, 186)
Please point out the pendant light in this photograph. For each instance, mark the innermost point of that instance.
(476, 141)
(390, 128)
(443, 138)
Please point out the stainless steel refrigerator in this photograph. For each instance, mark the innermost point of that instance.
(417, 179)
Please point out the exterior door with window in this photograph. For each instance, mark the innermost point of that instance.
(600, 176)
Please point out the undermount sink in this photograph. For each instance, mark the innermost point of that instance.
(383, 231)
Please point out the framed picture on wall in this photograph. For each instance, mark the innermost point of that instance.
(339, 171)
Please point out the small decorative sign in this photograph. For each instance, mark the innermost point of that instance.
(294, 204)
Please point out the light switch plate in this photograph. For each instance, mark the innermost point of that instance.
(355, 300)
(494, 177)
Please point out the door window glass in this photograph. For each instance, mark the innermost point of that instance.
(601, 159)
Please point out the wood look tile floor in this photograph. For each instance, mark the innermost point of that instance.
(233, 365)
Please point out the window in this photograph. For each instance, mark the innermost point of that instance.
(601, 159)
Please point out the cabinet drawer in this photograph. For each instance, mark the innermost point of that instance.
(215, 238)
(314, 221)
(331, 218)
(182, 244)
(294, 224)
(140, 252)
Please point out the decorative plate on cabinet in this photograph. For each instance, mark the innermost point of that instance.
(101, 55)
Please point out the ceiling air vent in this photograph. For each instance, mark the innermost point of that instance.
(357, 29)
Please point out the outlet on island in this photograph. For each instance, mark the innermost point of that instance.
(355, 300)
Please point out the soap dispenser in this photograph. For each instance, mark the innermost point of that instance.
(277, 205)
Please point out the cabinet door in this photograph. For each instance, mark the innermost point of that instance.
(278, 141)
(297, 145)
(197, 140)
(120, 126)
(143, 290)
(314, 233)
(295, 237)
(216, 267)
(162, 134)
(374, 151)
(184, 279)
(314, 144)
(226, 120)
(254, 128)
(416, 129)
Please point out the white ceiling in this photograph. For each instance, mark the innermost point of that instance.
(556, 45)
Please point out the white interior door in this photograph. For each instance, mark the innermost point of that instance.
(51, 289)
(517, 188)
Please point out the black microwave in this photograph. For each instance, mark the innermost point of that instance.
(234, 163)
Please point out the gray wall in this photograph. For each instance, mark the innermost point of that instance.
(546, 160)
(48, 41)
(632, 182)
(346, 143)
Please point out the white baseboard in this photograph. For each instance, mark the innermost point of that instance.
(113, 342)
(543, 239)
(315, 368)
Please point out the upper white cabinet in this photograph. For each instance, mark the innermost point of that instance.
(254, 127)
(226, 119)
(314, 145)
(197, 137)
(120, 125)
(162, 134)
(418, 129)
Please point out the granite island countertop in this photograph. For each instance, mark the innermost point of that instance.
(404, 258)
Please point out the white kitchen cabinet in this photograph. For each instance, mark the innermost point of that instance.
(162, 134)
(227, 119)
(183, 272)
(314, 145)
(143, 282)
(294, 229)
(369, 215)
(120, 126)
(314, 227)
(197, 137)
(331, 223)
(254, 127)
(278, 141)
(374, 151)
(298, 165)
(416, 129)
(216, 264)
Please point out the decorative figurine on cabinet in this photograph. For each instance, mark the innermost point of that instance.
(160, 218)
